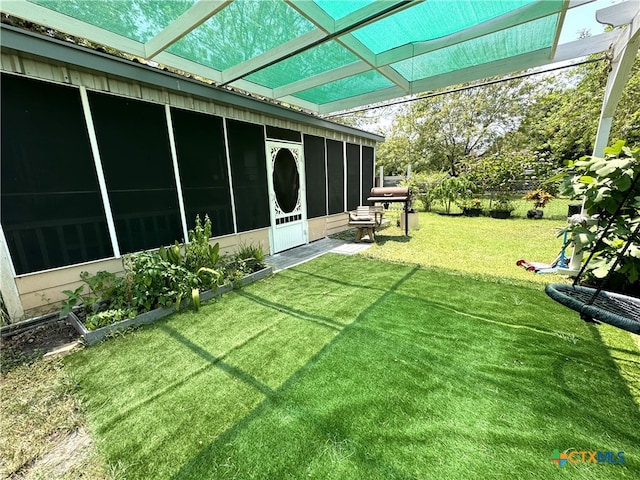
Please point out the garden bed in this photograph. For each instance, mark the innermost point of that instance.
(91, 337)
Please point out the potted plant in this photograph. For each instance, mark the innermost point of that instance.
(472, 208)
(540, 198)
(502, 208)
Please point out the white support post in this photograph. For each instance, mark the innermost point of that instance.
(360, 202)
(8, 287)
(345, 178)
(326, 178)
(176, 173)
(102, 183)
(230, 177)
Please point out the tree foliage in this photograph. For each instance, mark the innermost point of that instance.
(563, 123)
(543, 119)
(436, 133)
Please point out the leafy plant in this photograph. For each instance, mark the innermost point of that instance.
(470, 203)
(151, 282)
(171, 254)
(199, 253)
(102, 286)
(73, 300)
(107, 317)
(421, 187)
(539, 197)
(503, 204)
(452, 190)
(603, 183)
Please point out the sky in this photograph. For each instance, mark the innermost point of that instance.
(583, 17)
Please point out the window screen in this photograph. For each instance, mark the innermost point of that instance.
(335, 170)
(316, 176)
(136, 158)
(249, 173)
(283, 134)
(367, 174)
(203, 169)
(353, 176)
(52, 212)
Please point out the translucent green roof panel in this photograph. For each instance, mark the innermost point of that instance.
(328, 55)
(341, 8)
(138, 20)
(346, 87)
(433, 19)
(322, 58)
(241, 31)
(514, 41)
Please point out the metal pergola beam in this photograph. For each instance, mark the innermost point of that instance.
(195, 16)
(568, 51)
(67, 53)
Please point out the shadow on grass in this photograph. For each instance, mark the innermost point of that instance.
(383, 239)
(295, 313)
(608, 365)
(192, 468)
(213, 362)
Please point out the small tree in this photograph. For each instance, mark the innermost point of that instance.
(604, 183)
(452, 190)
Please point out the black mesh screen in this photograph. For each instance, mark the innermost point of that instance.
(203, 169)
(51, 207)
(283, 134)
(316, 178)
(353, 176)
(367, 174)
(335, 168)
(136, 158)
(249, 172)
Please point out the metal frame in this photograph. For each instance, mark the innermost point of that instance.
(328, 29)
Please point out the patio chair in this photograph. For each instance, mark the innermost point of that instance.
(365, 220)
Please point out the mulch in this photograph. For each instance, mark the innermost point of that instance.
(39, 340)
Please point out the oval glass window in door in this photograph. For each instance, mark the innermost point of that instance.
(286, 180)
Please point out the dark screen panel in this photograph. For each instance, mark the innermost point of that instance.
(277, 133)
(51, 206)
(202, 163)
(249, 173)
(335, 174)
(367, 174)
(316, 176)
(353, 176)
(134, 147)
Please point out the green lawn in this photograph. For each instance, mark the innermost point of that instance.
(352, 368)
(481, 247)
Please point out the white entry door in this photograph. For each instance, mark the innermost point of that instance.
(287, 200)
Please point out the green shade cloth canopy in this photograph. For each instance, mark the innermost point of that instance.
(323, 55)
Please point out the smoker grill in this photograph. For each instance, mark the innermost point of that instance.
(387, 195)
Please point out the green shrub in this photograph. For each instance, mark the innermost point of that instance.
(421, 186)
(151, 282)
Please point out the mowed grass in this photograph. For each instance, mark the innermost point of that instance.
(352, 368)
(478, 246)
